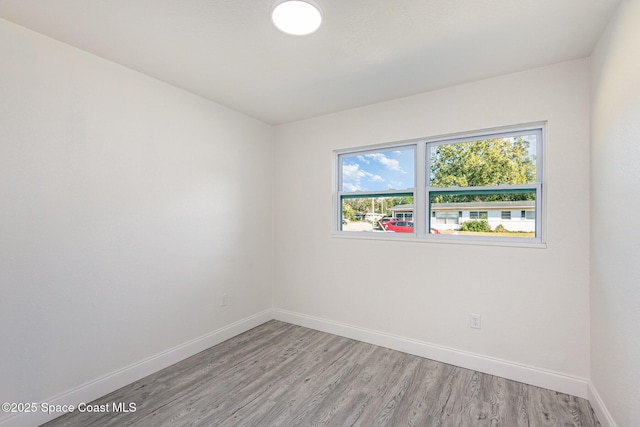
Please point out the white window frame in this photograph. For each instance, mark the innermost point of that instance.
(379, 193)
(422, 190)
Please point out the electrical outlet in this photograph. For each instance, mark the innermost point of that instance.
(475, 321)
(225, 300)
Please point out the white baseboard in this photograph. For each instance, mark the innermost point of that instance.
(115, 380)
(563, 383)
(605, 418)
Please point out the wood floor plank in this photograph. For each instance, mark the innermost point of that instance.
(280, 374)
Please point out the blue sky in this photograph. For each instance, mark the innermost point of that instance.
(382, 170)
(387, 170)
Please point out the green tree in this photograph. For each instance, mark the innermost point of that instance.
(353, 205)
(400, 200)
(348, 212)
(487, 162)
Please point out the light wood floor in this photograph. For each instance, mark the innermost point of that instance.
(284, 375)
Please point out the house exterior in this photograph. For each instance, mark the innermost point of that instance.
(512, 215)
(373, 217)
(402, 212)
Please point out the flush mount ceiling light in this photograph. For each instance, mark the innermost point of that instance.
(296, 17)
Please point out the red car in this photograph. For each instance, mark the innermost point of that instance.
(403, 227)
(386, 220)
(400, 226)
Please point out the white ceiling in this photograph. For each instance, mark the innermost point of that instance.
(366, 51)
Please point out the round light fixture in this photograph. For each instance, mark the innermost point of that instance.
(296, 17)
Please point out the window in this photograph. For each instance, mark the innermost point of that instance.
(527, 215)
(459, 187)
(374, 184)
(489, 176)
(444, 217)
(478, 215)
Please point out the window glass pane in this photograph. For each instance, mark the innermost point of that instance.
(376, 213)
(446, 217)
(477, 214)
(378, 170)
(484, 162)
(484, 213)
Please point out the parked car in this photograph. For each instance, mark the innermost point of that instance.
(402, 226)
(386, 220)
(399, 226)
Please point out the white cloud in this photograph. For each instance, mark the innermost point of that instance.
(390, 164)
(351, 187)
(352, 175)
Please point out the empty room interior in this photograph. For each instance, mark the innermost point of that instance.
(181, 176)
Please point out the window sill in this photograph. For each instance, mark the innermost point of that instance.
(436, 240)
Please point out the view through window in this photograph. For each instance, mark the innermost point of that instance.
(376, 185)
(491, 182)
(486, 186)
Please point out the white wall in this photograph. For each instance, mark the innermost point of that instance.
(127, 209)
(533, 302)
(615, 243)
